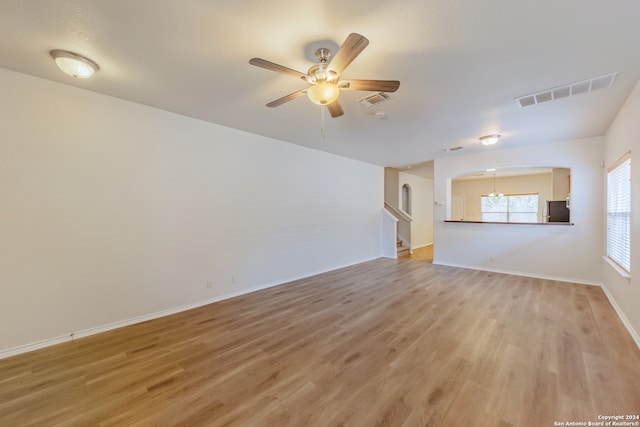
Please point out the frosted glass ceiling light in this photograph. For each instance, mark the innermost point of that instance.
(73, 64)
(323, 93)
(489, 139)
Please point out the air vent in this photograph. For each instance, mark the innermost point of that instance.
(376, 98)
(565, 91)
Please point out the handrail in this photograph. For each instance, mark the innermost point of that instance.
(399, 214)
(403, 224)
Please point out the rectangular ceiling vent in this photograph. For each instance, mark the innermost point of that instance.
(376, 98)
(565, 91)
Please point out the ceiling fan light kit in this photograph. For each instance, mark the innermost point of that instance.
(323, 93)
(324, 78)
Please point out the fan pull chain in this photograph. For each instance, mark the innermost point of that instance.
(322, 123)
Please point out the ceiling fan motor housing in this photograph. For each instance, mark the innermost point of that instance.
(321, 73)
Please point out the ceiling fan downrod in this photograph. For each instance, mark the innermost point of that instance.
(320, 73)
(323, 54)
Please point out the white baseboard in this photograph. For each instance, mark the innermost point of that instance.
(621, 315)
(34, 346)
(422, 246)
(520, 273)
(92, 331)
(104, 328)
(612, 301)
(139, 319)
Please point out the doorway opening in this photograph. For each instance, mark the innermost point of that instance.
(406, 198)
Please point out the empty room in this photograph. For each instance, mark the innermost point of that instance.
(356, 213)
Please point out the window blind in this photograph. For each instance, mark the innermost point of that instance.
(619, 212)
(510, 208)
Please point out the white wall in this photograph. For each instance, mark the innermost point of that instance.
(554, 251)
(624, 135)
(113, 210)
(421, 208)
(391, 188)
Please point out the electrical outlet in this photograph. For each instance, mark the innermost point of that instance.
(209, 284)
(233, 278)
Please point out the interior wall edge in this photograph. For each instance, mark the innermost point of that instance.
(621, 315)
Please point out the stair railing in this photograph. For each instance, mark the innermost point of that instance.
(403, 224)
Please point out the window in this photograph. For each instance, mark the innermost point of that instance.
(510, 208)
(619, 212)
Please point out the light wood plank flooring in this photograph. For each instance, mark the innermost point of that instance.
(388, 342)
(422, 254)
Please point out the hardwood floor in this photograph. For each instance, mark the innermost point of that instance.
(388, 342)
(424, 253)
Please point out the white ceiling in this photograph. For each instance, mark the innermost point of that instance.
(461, 63)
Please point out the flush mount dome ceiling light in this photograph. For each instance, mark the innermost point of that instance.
(74, 64)
(489, 139)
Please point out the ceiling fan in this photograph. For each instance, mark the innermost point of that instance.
(324, 79)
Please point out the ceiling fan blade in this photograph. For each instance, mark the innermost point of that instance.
(372, 85)
(287, 98)
(263, 63)
(352, 46)
(335, 109)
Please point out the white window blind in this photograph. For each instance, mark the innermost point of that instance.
(510, 208)
(619, 212)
